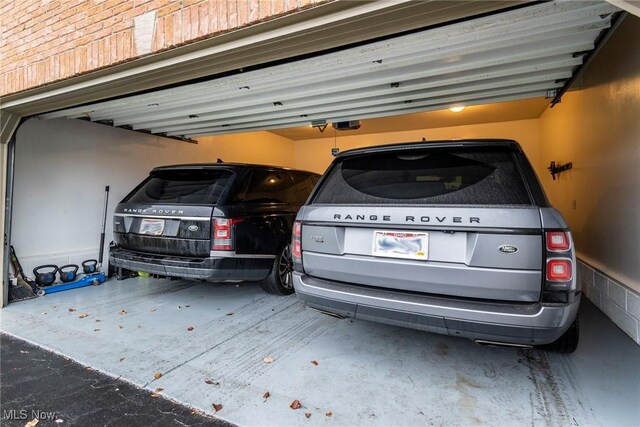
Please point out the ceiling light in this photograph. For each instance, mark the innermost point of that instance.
(457, 108)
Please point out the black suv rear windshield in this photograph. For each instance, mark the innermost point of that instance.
(191, 187)
(456, 176)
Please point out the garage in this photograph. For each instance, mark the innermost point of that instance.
(561, 78)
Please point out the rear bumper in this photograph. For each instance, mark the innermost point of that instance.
(526, 324)
(245, 268)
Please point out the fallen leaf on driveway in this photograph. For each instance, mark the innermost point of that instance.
(307, 414)
(230, 314)
(190, 328)
(83, 315)
(217, 406)
(211, 382)
(155, 395)
(314, 362)
(295, 404)
(266, 395)
(121, 359)
(123, 312)
(328, 414)
(158, 390)
(32, 423)
(268, 359)
(157, 375)
(71, 310)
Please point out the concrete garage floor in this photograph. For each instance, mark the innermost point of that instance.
(366, 374)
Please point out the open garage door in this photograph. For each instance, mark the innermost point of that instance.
(524, 53)
(533, 51)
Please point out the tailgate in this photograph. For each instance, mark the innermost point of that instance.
(164, 230)
(483, 253)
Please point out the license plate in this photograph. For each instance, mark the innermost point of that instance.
(401, 244)
(153, 227)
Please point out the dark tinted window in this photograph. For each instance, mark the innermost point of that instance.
(266, 186)
(460, 176)
(303, 185)
(192, 187)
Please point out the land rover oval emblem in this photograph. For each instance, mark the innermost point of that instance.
(508, 249)
(192, 228)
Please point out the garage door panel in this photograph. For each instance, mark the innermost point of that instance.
(544, 81)
(423, 61)
(509, 55)
(427, 75)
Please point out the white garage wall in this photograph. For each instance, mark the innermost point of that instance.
(62, 167)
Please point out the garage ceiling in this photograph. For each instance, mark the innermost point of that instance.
(518, 54)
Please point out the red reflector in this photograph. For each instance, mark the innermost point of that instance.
(558, 241)
(559, 270)
(297, 229)
(297, 249)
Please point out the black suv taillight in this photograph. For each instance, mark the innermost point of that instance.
(222, 239)
(296, 246)
(559, 268)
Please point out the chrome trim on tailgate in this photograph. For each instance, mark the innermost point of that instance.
(188, 218)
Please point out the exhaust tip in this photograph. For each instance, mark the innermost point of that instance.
(489, 343)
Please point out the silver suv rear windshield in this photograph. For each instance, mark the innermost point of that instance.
(188, 187)
(442, 176)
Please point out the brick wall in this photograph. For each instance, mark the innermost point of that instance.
(49, 40)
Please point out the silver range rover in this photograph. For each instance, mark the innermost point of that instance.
(451, 237)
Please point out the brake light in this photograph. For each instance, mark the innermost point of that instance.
(559, 270)
(296, 244)
(222, 234)
(297, 249)
(558, 241)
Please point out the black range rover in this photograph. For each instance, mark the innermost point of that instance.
(215, 222)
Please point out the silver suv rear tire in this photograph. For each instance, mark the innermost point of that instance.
(568, 342)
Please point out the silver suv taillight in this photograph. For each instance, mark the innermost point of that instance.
(222, 234)
(296, 246)
(559, 267)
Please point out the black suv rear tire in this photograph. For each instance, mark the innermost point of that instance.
(279, 281)
(568, 342)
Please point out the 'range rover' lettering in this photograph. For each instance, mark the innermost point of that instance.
(408, 218)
